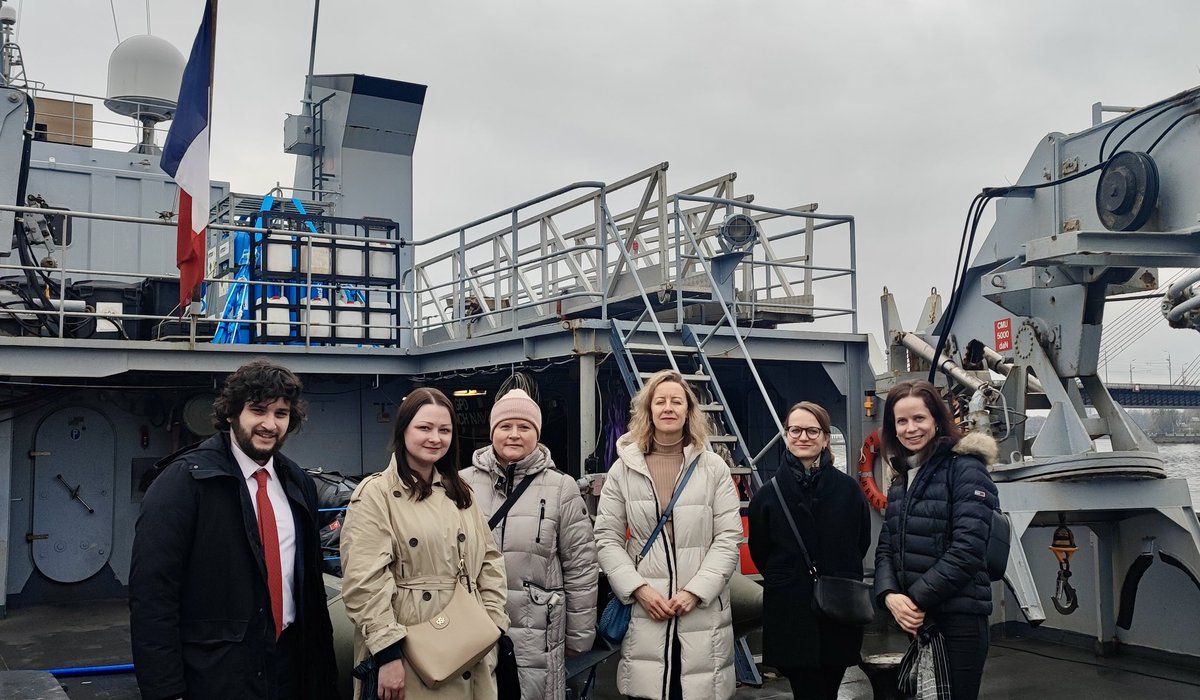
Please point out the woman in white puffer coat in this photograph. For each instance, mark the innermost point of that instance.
(549, 550)
(680, 640)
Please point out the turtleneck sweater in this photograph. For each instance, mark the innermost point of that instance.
(664, 462)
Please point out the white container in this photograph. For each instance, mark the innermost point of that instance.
(277, 315)
(380, 322)
(278, 256)
(321, 262)
(351, 259)
(382, 259)
(317, 317)
(350, 319)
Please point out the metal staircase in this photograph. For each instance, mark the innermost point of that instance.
(725, 437)
(689, 360)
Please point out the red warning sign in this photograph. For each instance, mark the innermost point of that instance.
(1003, 334)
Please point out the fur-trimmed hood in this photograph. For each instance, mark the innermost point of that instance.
(982, 447)
(979, 445)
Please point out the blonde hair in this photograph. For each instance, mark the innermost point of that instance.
(641, 425)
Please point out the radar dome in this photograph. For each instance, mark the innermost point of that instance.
(144, 73)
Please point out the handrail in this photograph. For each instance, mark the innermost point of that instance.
(685, 234)
(509, 210)
(556, 270)
(367, 328)
(147, 221)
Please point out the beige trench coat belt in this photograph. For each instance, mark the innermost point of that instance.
(428, 583)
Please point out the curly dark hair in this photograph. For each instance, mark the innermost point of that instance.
(259, 381)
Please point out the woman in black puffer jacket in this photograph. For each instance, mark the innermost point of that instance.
(930, 562)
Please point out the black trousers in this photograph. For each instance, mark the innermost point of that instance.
(819, 683)
(967, 639)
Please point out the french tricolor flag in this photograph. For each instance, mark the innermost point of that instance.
(185, 156)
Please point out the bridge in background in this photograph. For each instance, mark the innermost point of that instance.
(1153, 395)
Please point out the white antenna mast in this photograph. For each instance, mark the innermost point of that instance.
(10, 53)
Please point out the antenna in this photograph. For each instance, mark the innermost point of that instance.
(10, 53)
(312, 58)
(144, 73)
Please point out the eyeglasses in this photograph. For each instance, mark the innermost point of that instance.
(796, 431)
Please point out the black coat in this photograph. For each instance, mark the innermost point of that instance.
(933, 552)
(835, 522)
(200, 613)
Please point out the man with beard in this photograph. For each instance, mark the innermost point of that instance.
(226, 598)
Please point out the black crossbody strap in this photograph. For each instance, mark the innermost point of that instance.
(662, 521)
(795, 530)
(508, 502)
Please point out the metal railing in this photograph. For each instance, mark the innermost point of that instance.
(580, 250)
(541, 260)
(772, 282)
(491, 274)
(52, 285)
(83, 130)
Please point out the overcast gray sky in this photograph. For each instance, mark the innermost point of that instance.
(895, 111)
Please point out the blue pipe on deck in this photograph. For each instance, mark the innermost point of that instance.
(73, 671)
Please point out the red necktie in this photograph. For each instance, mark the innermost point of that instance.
(269, 535)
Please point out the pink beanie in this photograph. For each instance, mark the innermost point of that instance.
(516, 404)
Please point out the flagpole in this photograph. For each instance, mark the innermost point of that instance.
(185, 158)
(212, 68)
(196, 306)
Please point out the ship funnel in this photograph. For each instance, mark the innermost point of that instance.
(356, 147)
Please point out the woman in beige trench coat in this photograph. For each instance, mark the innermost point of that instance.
(405, 527)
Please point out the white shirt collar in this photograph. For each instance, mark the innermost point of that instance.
(247, 465)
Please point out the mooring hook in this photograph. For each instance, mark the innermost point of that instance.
(1065, 592)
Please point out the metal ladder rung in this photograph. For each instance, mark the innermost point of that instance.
(686, 377)
(711, 407)
(722, 438)
(656, 348)
(739, 470)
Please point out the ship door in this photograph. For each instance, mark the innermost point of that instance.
(74, 467)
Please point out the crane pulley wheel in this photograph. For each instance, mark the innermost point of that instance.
(1127, 192)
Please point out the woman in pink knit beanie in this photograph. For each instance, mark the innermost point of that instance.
(546, 537)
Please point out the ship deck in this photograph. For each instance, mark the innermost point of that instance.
(96, 633)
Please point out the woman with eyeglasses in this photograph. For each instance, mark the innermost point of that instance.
(834, 521)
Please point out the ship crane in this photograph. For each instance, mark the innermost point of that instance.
(1094, 214)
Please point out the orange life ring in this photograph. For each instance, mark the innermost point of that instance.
(866, 472)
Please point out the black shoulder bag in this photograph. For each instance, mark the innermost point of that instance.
(840, 599)
(996, 557)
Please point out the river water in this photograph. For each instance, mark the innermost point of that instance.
(1184, 461)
